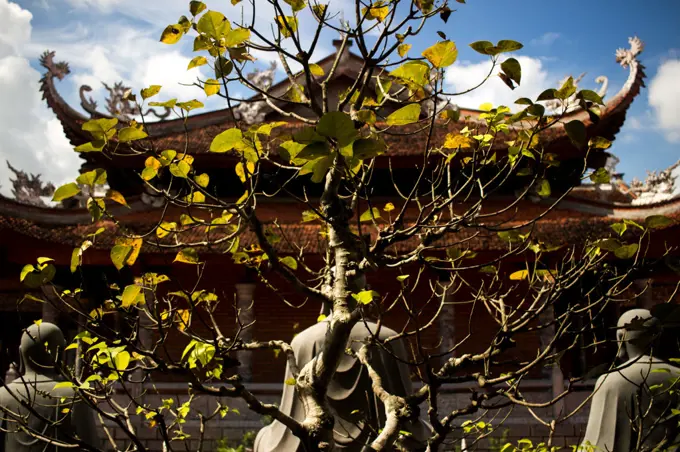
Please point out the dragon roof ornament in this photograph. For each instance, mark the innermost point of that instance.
(627, 57)
(118, 104)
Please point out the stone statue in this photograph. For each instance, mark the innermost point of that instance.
(358, 413)
(631, 407)
(35, 416)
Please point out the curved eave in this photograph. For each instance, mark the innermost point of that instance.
(201, 128)
(617, 211)
(62, 216)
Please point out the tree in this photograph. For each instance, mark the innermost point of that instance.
(426, 235)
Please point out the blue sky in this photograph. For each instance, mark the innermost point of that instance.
(111, 40)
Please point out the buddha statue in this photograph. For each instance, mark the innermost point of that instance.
(34, 415)
(358, 413)
(631, 408)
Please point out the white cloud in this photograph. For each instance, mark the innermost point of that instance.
(547, 39)
(31, 138)
(664, 98)
(463, 76)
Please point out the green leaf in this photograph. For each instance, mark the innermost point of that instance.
(227, 140)
(619, 228)
(601, 176)
(576, 131)
(150, 91)
(187, 256)
(66, 191)
(365, 296)
(338, 125)
(370, 214)
(190, 105)
(366, 116)
(167, 104)
(508, 45)
(442, 54)
(481, 47)
(289, 262)
(524, 101)
(196, 7)
(236, 37)
(367, 148)
(568, 88)
(590, 96)
(93, 146)
(543, 188)
(197, 61)
(94, 177)
(119, 255)
(180, 169)
(658, 222)
(213, 24)
(223, 67)
(405, 115)
(287, 24)
(172, 34)
(130, 296)
(548, 94)
(128, 134)
(121, 360)
(290, 381)
(414, 72)
(599, 143)
(512, 69)
(626, 251)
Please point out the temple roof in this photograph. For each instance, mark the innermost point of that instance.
(574, 220)
(199, 130)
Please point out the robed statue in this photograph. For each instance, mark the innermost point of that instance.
(358, 413)
(34, 415)
(633, 407)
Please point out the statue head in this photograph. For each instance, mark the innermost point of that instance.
(636, 330)
(40, 345)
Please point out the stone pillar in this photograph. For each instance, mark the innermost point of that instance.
(50, 313)
(246, 315)
(446, 320)
(644, 289)
(553, 372)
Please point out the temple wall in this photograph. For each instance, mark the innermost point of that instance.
(516, 424)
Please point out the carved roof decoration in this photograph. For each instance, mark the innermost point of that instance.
(198, 130)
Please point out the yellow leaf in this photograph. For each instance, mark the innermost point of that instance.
(188, 256)
(316, 70)
(183, 317)
(135, 244)
(454, 141)
(172, 34)
(165, 228)
(389, 207)
(519, 275)
(442, 54)
(202, 180)
(211, 87)
(116, 196)
(403, 49)
(486, 106)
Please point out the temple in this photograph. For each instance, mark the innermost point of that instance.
(31, 231)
